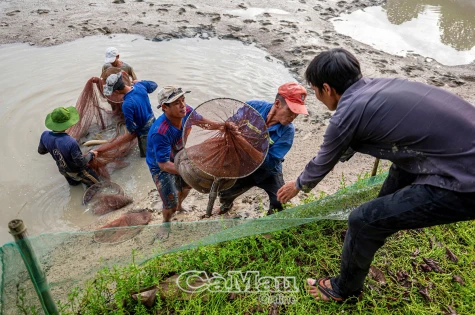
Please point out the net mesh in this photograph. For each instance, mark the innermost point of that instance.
(104, 197)
(96, 109)
(111, 155)
(110, 234)
(71, 259)
(234, 150)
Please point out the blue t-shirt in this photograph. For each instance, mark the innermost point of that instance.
(282, 138)
(164, 141)
(65, 151)
(137, 108)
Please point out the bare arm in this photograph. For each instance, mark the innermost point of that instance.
(168, 167)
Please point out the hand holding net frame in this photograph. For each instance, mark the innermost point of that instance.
(230, 140)
(225, 139)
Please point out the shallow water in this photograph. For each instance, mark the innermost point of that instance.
(439, 29)
(36, 80)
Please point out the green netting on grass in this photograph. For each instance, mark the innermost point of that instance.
(71, 259)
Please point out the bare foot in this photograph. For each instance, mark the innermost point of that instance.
(182, 209)
(163, 233)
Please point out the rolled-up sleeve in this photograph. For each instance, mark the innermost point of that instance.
(150, 86)
(335, 142)
(78, 159)
(41, 148)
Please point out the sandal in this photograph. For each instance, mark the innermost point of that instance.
(326, 291)
(332, 295)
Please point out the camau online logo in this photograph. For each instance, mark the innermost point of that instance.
(195, 281)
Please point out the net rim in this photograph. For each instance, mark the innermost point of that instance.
(245, 104)
(106, 184)
(125, 77)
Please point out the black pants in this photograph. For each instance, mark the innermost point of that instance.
(399, 206)
(87, 176)
(142, 140)
(270, 184)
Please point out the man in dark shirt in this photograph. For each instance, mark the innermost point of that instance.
(65, 150)
(428, 134)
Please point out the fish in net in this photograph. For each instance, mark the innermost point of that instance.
(105, 197)
(124, 228)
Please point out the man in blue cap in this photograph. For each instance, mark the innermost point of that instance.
(65, 150)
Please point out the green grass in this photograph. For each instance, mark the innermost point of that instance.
(310, 250)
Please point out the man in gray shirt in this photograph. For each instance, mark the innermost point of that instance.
(428, 134)
(112, 60)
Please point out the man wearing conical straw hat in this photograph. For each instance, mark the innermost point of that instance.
(65, 150)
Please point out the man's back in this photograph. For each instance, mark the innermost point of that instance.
(64, 150)
(423, 129)
(136, 107)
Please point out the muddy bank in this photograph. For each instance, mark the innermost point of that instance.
(294, 33)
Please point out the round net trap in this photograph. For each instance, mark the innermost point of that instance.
(104, 197)
(224, 139)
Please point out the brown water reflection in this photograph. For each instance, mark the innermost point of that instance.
(456, 18)
(440, 29)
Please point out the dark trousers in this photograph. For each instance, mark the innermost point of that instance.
(87, 176)
(142, 142)
(270, 184)
(142, 139)
(399, 206)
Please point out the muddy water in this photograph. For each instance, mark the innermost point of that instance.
(36, 80)
(439, 29)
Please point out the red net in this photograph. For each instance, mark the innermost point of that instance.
(236, 149)
(104, 197)
(111, 155)
(195, 177)
(94, 107)
(129, 224)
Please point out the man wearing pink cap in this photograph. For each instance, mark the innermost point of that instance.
(288, 104)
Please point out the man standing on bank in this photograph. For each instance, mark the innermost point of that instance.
(428, 134)
(136, 107)
(65, 150)
(279, 115)
(164, 142)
